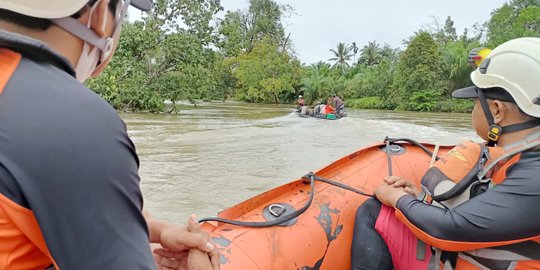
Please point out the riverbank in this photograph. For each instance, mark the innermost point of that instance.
(445, 105)
(367, 103)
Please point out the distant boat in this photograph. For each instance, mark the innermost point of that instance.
(322, 116)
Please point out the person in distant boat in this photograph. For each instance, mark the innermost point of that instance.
(305, 110)
(318, 108)
(339, 105)
(322, 110)
(495, 227)
(300, 102)
(329, 109)
(69, 184)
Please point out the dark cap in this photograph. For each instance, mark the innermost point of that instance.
(143, 5)
(495, 93)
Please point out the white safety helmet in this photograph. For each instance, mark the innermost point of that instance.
(510, 73)
(55, 9)
(515, 67)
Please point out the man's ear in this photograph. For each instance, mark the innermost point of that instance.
(499, 110)
(100, 18)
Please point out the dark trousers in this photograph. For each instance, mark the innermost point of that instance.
(369, 251)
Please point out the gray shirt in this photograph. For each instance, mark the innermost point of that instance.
(65, 155)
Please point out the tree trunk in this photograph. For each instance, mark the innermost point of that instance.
(276, 99)
(286, 41)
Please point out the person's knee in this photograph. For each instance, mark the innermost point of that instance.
(369, 210)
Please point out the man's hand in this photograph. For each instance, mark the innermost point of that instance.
(169, 260)
(181, 249)
(175, 237)
(400, 182)
(388, 194)
(198, 260)
(178, 238)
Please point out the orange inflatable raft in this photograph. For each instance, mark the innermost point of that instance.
(320, 237)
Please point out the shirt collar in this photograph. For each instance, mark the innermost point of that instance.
(34, 50)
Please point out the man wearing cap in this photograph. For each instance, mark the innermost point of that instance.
(498, 228)
(69, 183)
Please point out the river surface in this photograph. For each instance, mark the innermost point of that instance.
(209, 158)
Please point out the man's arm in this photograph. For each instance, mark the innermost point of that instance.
(175, 237)
(505, 214)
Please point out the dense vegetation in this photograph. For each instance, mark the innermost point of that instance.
(183, 51)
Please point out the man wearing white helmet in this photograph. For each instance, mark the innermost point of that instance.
(301, 102)
(69, 184)
(497, 227)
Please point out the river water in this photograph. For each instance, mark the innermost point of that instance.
(209, 158)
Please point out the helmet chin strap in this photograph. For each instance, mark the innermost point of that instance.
(495, 131)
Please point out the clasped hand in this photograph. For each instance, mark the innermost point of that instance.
(393, 188)
(185, 248)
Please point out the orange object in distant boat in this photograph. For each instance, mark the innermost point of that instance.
(328, 109)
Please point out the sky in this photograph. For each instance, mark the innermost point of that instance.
(318, 25)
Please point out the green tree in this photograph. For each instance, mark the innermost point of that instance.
(120, 83)
(518, 18)
(455, 64)
(371, 54)
(418, 69)
(354, 49)
(240, 30)
(527, 22)
(165, 57)
(447, 33)
(233, 31)
(372, 81)
(389, 54)
(342, 55)
(500, 26)
(265, 74)
(316, 82)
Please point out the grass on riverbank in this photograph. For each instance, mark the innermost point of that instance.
(448, 105)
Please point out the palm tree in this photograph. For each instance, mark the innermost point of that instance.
(320, 67)
(354, 48)
(387, 53)
(342, 55)
(370, 54)
(316, 83)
